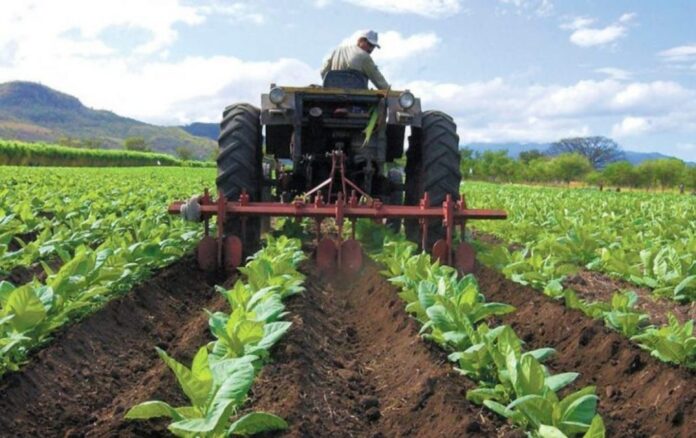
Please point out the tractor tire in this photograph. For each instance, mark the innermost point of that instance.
(239, 164)
(432, 165)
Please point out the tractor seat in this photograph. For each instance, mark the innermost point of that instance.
(345, 79)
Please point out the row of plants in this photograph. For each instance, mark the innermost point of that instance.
(646, 239)
(17, 153)
(511, 382)
(222, 372)
(98, 233)
(88, 278)
(674, 342)
(48, 212)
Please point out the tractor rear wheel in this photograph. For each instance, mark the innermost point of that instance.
(432, 165)
(239, 164)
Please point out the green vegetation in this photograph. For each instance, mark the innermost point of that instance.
(223, 371)
(534, 167)
(93, 233)
(136, 144)
(644, 239)
(17, 153)
(512, 383)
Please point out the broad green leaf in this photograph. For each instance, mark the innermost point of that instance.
(257, 422)
(229, 396)
(152, 409)
(581, 410)
(272, 332)
(550, 432)
(559, 381)
(196, 390)
(596, 429)
(26, 307)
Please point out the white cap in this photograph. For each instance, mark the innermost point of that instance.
(371, 37)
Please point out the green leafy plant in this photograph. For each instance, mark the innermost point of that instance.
(215, 392)
(672, 343)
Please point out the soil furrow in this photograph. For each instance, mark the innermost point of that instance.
(93, 371)
(639, 395)
(353, 365)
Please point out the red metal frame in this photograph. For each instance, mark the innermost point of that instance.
(450, 213)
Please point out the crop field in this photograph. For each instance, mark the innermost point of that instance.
(578, 319)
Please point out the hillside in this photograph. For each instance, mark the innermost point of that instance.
(34, 112)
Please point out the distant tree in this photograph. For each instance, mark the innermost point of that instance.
(136, 144)
(595, 178)
(665, 173)
(690, 178)
(497, 166)
(620, 173)
(467, 163)
(68, 141)
(91, 143)
(569, 167)
(537, 170)
(527, 156)
(599, 151)
(184, 153)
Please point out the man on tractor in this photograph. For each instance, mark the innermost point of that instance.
(357, 57)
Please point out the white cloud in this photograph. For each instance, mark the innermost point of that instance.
(235, 12)
(585, 36)
(540, 8)
(631, 126)
(684, 53)
(578, 23)
(615, 73)
(425, 8)
(627, 17)
(497, 110)
(596, 37)
(62, 45)
(396, 47)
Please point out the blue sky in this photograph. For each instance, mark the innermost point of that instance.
(507, 70)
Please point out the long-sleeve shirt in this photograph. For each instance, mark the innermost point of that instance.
(355, 58)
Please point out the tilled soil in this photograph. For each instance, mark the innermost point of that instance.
(353, 365)
(639, 395)
(595, 286)
(85, 380)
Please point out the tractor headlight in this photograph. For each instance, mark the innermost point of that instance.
(406, 100)
(277, 95)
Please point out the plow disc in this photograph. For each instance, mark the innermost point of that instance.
(226, 251)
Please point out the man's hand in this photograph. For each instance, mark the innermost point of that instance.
(191, 210)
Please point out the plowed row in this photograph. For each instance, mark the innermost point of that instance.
(351, 365)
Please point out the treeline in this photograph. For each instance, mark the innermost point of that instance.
(42, 154)
(535, 167)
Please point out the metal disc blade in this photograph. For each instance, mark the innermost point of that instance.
(351, 256)
(465, 258)
(232, 253)
(440, 251)
(327, 255)
(206, 254)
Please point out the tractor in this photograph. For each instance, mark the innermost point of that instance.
(330, 151)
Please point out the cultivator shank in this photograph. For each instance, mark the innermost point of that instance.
(335, 251)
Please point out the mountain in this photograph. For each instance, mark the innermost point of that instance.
(34, 112)
(207, 130)
(514, 150)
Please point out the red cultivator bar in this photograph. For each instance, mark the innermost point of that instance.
(226, 251)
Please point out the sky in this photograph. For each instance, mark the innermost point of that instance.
(506, 70)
